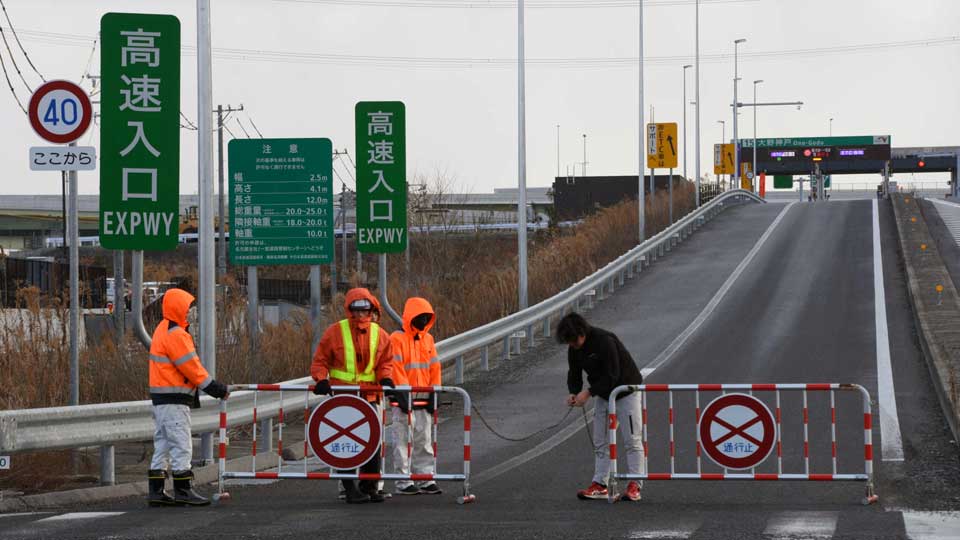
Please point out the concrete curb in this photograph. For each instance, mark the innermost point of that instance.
(207, 474)
(936, 321)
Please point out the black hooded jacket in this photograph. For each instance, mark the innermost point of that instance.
(607, 362)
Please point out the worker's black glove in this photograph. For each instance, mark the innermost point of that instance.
(403, 401)
(322, 387)
(431, 404)
(217, 389)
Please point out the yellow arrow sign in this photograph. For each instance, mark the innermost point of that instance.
(662, 154)
(723, 159)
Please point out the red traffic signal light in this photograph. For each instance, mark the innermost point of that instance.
(921, 164)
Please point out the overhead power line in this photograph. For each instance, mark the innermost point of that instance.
(10, 85)
(252, 124)
(17, 38)
(13, 60)
(508, 4)
(245, 132)
(581, 63)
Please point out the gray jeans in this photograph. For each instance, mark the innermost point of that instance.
(629, 436)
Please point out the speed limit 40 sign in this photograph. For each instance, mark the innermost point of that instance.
(60, 111)
(4, 462)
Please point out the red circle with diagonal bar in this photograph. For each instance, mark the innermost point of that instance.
(737, 431)
(344, 432)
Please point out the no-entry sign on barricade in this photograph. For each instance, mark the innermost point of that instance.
(737, 431)
(344, 432)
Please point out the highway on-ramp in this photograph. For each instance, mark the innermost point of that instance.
(773, 293)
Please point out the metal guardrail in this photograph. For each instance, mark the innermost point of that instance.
(55, 428)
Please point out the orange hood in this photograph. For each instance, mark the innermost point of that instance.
(417, 306)
(176, 304)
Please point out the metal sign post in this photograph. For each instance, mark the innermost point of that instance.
(74, 225)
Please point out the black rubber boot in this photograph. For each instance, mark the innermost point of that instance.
(183, 494)
(157, 496)
(369, 488)
(354, 495)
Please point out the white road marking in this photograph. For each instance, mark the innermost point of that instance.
(932, 525)
(80, 515)
(21, 514)
(950, 214)
(680, 340)
(684, 531)
(801, 525)
(891, 442)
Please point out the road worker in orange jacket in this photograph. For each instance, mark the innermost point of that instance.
(176, 375)
(415, 363)
(356, 351)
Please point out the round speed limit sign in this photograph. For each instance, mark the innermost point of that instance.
(60, 111)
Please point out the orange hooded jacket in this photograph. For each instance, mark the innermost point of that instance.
(415, 360)
(330, 358)
(175, 368)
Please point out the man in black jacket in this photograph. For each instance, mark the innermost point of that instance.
(603, 357)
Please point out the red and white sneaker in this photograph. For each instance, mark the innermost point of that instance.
(595, 491)
(632, 493)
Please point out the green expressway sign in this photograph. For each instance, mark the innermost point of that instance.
(139, 131)
(817, 141)
(281, 201)
(381, 176)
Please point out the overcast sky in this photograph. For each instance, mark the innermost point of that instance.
(876, 67)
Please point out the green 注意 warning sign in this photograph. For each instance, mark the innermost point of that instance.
(381, 176)
(281, 201)
(139, 131)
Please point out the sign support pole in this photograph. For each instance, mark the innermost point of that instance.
(382, 283)
(253, 314)
(642, 134)
(671, 194)
(74, 224)
(522, 172)
(119, 298)
(315, 300)
(207, 286)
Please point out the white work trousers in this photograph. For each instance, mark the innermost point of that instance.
(421, 451)
(171, 438)
(629, 436)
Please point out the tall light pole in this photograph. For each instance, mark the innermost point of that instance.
(736, 112)
(641, 136)
(831, 123)
(522, 164)
(696, 76)
(584, 154)
(558, 150)
(684, 104)
(754, 168)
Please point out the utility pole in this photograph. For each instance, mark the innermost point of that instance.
(584, 154)
(222, 252)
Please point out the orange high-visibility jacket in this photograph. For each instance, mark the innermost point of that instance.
(175, 368)
(331, 361)
(415, 355)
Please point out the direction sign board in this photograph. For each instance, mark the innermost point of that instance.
(63, 158)
(783, 181)
(662, 154)
(139, 131)
(723, 159)
(818, 149)
(281, 201)
(344, 432)
(60, 111)
(381, 176)
(737, 431)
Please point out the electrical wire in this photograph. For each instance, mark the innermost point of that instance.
(245, 132)
(190, 125)
(14, 60)
(86, 70)
(508, 4)
(10, 85)
(252, 124)
(226, 127)
(17, 38)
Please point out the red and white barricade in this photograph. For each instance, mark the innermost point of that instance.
(738, 431)
(344, 432)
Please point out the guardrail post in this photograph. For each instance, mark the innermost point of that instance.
(485, 358)
(266, 435)
(546, 326)
(622, 276)
(530, 339)
(459, 372)
(506, 347)
(630, 269)
(107, 470)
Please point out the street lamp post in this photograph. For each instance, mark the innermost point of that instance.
(584, 154)
(684, 104)
(558, 150)
(522, 164)
(696, 76)
(736, 140)
(831, 125)
(754, 168)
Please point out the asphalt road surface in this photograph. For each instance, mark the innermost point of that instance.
(801, 309)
